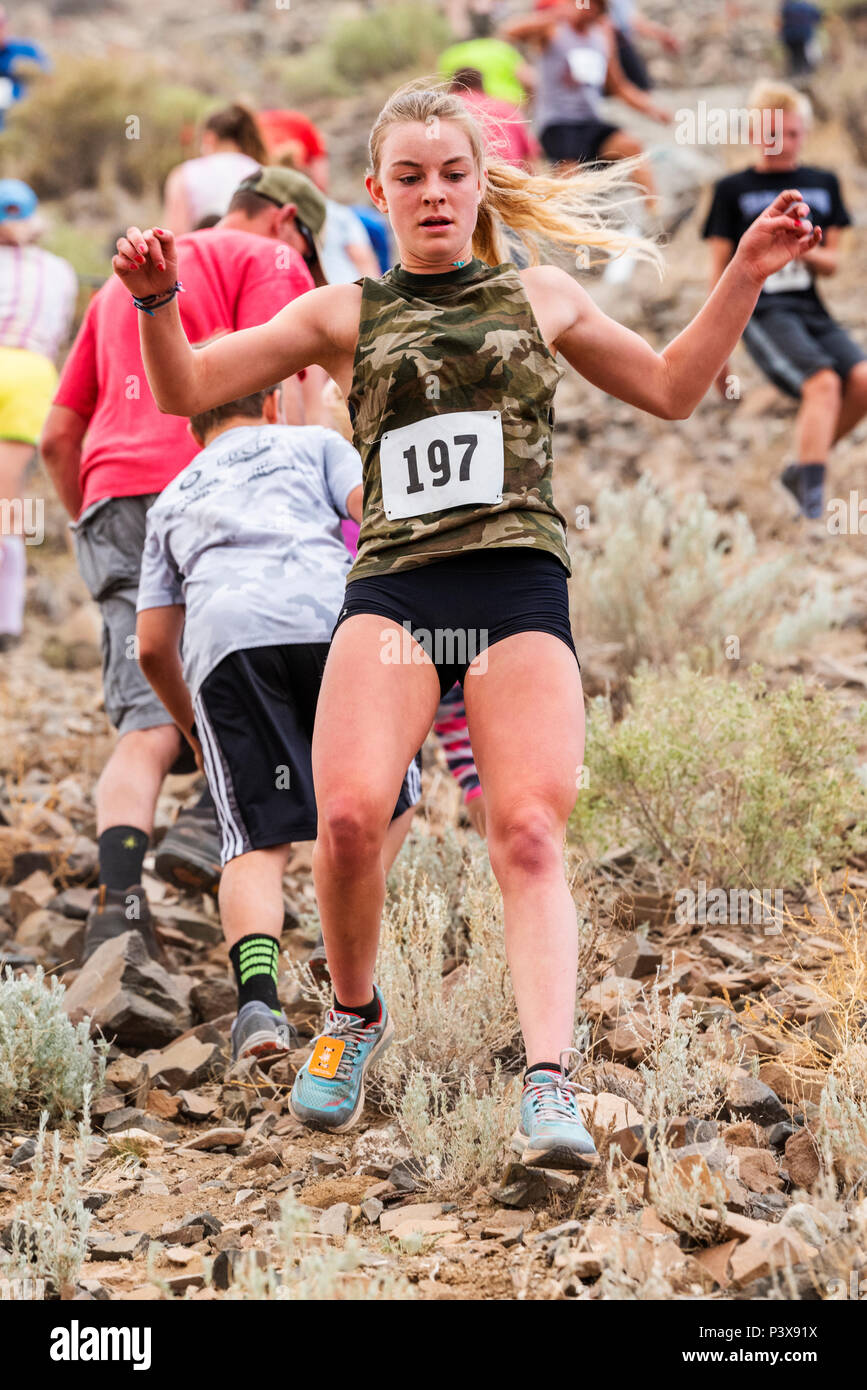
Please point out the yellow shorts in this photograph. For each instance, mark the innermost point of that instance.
(27, 385)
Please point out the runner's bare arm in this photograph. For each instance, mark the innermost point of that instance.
(671, 383)
(60, 445)
(159, 633)
(721, 251)
(354, 503)
(185, 381)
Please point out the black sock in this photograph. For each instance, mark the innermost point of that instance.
(369, 1012)
(254, 960)
(543, 1066)
(122, 849)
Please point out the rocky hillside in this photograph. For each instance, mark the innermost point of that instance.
(725, 1055)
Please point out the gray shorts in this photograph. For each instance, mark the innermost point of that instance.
(109, 540)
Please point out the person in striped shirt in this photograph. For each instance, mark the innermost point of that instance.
(37, 300)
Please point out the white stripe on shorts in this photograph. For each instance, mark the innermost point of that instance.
(234, 841)
(413, 783)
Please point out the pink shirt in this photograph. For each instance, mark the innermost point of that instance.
(232, 280)
(507, 130)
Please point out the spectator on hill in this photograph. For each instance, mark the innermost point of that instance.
(799, 22)
(508, 132)
(16, 57)
(578, 65)
(791, 336)
(110, 452)
(197, 192)
(506, 74)
(37, 300)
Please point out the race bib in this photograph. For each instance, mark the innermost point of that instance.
(588, 66)
(794, 276)
(442, 461)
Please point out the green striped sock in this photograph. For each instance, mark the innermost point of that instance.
(254, 960)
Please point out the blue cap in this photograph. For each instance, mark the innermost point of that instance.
(17, 200)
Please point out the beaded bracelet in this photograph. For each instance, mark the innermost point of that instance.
(148, 302)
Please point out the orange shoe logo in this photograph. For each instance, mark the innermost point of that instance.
(326, 1058)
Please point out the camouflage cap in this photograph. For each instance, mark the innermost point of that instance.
(282, 186)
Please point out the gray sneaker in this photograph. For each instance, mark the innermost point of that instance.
(259, 1031)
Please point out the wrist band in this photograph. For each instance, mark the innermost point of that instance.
(148, 302)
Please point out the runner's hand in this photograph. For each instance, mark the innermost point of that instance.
(779, 235)
(146, 262)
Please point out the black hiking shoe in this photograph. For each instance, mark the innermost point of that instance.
(117, 911)
(189, 854)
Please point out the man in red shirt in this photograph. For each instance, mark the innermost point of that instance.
(110, 452)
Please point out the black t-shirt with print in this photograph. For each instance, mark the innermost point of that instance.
(740, 198)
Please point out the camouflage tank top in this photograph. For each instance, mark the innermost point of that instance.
(452, 412)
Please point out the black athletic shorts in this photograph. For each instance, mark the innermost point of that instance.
(577, 142)
(792, 344)
(457, 607)
(254, 719)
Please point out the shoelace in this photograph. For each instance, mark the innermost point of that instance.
(557, 1099)
(343, 1028)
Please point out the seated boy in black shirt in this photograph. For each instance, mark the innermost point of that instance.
(791, 335)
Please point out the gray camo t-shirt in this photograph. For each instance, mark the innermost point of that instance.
(248, 537)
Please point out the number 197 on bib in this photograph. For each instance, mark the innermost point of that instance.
(444, 461)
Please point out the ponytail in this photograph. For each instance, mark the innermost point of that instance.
(237, 123)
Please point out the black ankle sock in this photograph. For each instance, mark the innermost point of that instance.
(369, 1012)
(122, 849)
(254, 960)
(543, 1066)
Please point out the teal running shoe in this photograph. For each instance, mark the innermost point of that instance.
(551, 1134)
(259, 1031)
(329, 1089)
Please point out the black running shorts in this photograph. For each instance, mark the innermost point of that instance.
(791, 345)
(457, 607)
(254, 718)
(578, 142)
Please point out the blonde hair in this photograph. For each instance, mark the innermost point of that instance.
(768, 95)
(573, 209)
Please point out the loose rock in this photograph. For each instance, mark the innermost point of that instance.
(128, 995)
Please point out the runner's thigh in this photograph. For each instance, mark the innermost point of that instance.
(525, 715)
(372, 716)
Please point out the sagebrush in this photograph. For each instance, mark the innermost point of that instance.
(724, 780)
(46, 1062)
(662, 579)
(49, 1228)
